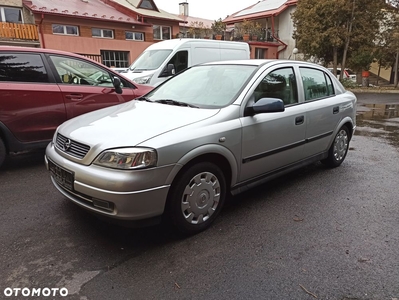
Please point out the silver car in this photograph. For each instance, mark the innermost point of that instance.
(214, 129)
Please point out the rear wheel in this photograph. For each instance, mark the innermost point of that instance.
(3, 152)
(338, 149)
(196, 198)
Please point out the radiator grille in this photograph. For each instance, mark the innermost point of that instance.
(71, 147)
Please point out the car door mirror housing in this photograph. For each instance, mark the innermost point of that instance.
(265, 105)
(171, 70)
(117, 85)
(168, 70)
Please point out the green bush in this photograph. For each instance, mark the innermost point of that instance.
(348, 83)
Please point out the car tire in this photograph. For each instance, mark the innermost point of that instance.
(3, 152)
(196, 198)
(338, 149)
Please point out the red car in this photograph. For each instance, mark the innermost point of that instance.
(42, 88)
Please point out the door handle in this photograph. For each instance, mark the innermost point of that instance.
(74, 97)
(299, 120)
(335, 110)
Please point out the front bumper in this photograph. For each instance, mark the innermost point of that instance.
(130, 195)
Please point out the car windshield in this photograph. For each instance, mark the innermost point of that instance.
(206, 86)
(150, 60)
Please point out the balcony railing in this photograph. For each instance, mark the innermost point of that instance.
(16, 31)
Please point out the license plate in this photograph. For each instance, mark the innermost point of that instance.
(62, 176)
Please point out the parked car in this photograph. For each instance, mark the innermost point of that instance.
(214, 129)
(348, 74)
(42, 88)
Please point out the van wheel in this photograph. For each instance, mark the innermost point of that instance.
(338, 149)
(196, 198)
(3, 152)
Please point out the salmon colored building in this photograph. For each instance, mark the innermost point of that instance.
(113, 32)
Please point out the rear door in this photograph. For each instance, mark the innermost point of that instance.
(87, 86)
(324, 109)
(31, 104)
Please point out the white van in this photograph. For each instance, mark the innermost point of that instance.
(164, 59)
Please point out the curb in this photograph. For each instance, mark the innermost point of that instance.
(374, 91)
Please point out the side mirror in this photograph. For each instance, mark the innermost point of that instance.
(265, 105)
(117, 85)
(171, 70)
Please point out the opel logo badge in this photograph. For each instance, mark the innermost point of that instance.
(66, 145)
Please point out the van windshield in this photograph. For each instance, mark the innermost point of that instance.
(149, 60)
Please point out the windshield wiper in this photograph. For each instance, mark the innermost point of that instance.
(174, 102)
(142, 98)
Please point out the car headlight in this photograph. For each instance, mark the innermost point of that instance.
(127, 158)
(143, 80)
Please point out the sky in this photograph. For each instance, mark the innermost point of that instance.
(206, 9)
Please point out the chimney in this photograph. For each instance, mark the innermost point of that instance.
(183, 9)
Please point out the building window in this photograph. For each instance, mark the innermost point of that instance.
(162, 32)
(135, 36)
(65, 29)
(115, 59)
(102, 33)
(11, 15)
(260, 53)
(147, 4)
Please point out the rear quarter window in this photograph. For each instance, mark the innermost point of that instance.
(22, 67)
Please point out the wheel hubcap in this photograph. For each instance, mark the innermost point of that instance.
(200, 198)
(340, 145)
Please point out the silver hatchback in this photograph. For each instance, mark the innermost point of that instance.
(214, 129)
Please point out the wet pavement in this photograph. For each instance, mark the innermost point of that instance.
(314, 233)
(379, 120)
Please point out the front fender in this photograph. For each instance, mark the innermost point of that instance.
(206, 150)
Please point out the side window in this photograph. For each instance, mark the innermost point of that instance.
(314, 84)
(279, 84)
(330, 87)
(180, 61)
(22, 67)
(75, 71)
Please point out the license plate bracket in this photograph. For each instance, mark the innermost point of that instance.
(62, 176)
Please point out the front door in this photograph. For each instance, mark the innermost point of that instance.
(86, 86)
(272, 141)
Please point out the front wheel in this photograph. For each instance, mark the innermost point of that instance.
(196, 198)
(338, 149)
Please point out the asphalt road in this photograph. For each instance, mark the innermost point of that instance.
(330, 234)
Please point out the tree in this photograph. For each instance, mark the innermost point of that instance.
(330, 31)
(196, 29)
(218, 27)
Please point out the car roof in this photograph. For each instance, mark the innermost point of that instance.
(261, 62)
(37, 50)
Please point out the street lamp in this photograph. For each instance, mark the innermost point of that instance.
(295, 52)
